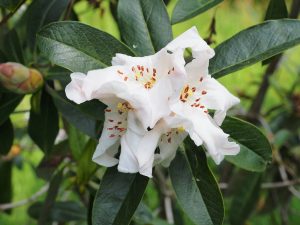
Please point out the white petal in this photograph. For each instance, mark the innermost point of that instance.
(114, 127)
(130, 141)
(146, 148)
(109, 86)
(205, 130)
(168, 146)
(74, 90)
(106, 158)
(191, 39)
(217, 98)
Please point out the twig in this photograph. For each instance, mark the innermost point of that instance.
(9, 15)
(33, 198)
(284, 175)
(167, 194)
(270, 185)
(69, 9)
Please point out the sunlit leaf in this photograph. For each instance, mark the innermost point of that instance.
(254, 44)
(186, 9)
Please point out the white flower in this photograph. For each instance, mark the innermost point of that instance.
(157, 101)
(190, 115)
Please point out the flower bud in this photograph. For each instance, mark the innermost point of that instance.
(20, 79)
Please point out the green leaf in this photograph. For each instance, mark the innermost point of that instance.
(72, 112)
(43, 125)
(10, 4)
(77, 141)
(49, 202)
(42, 12)
(256, 152)
(79, 47)
(276, 10)
(254, 44)
(50, 162)
(13, 48)
(118, 197)
(195, 186)
(61, 212)
(85, 167)
(3, 57)
(6, 137)
(60, 74)
(6, 181)
(186, 9)
(245, 198)
(8, 103)
(144, 25)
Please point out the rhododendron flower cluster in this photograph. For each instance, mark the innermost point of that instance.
(156, 101)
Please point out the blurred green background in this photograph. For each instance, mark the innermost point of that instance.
(231, 17)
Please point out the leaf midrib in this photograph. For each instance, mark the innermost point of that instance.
(72, 47)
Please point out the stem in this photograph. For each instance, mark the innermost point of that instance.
(166, 194)
(260, 96)
(69, 9)
(33, 198)
(9, 15)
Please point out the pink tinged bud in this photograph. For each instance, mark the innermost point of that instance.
(20, 79)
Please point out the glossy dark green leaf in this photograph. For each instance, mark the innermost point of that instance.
(43, 124)
(256, 152)
(49, 202)
(13, 48)
(276, 10)
(61, 212)
(59, 73)
(254, 44)
(42, 12)
(51, 162)
(3, 57)
(77, 141)
(73, 114)
(145, 25)
(186, 9)
(6, 137)
(8, 103)
(6, 182)
(118, 196)
(10, 4)
(79, 47)
(85, 167)
(245, 197)
(195, 186)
